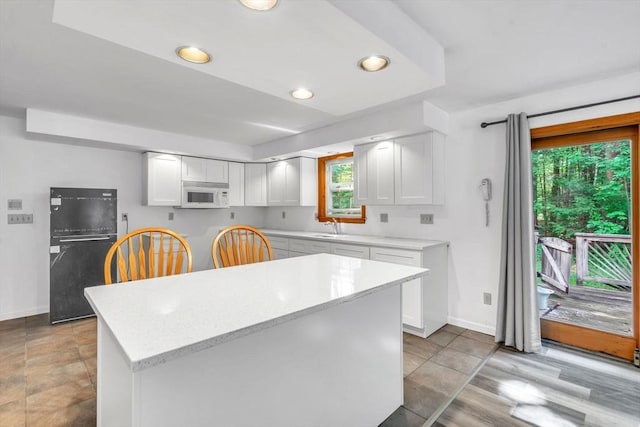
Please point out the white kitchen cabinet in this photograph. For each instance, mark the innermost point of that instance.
(279, 247)
(406, 171)
(419, 169)
(236, 184)
(424, 300)
(204, 170)
(354, 251)
(255, 184)
(299, 247)
(161, 175)
(373, 169)
(292, 182)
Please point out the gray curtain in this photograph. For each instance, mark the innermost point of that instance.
(518, 323)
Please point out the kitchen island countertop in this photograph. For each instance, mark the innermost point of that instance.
(160, 319)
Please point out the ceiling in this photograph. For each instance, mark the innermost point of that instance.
(114, 60)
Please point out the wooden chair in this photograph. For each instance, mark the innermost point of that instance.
(240, 244)
(143, 260)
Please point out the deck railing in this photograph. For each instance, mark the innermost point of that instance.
(604, 258)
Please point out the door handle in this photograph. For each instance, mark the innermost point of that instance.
(89, 239)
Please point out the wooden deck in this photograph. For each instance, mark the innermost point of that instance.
(594, 308)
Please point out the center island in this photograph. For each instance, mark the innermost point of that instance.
(305, 341)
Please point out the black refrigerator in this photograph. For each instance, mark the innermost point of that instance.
(83, 228)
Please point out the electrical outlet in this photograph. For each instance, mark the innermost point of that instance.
(125, 217)
(170, 216)
(20, 219)
(284, 214)
(384, 217)
(486, 296)
(232, 215)
(426, 218)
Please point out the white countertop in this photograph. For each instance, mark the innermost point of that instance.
(356, 239)
(157, 320)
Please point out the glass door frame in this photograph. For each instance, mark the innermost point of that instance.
(611, 128)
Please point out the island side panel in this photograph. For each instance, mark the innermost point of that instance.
(115, 382)
(341, 366)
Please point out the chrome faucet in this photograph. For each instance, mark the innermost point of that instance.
(333, 222)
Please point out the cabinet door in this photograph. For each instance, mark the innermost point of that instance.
(292, 182)
(255, 184)
(381, 167)
(374, 173)
(280, 253)
(217, 170)
(361, 174)
(276, 183)
(162, 174)
(412, 290)
(194, 169)
(236, 184)
(419, 169)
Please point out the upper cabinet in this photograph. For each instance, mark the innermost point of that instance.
(407, 171)
(292, 182)
(204, 170)
(373, 169)
(419, 169)
(236, 184)
(161, 174)
(255, 184)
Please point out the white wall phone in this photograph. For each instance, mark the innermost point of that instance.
(485, 187)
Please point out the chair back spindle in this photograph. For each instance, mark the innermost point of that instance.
(240, 244)
(136, 255)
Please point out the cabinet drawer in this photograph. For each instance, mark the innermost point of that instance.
(350, 250)
(397, 256)
(309, 246)
(279, 242)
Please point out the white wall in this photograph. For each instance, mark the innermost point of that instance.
(29, 167)
(473, 154)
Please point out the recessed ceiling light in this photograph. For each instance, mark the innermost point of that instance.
(374, 63)
(259, 4)
(302, 93)
(193, 54)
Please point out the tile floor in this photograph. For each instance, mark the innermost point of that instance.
(48, 373)
(435, 369)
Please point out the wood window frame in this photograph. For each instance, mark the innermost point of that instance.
(600, 130)
(322, 192)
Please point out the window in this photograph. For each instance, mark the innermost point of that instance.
(335, 190)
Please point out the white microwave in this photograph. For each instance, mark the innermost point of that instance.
(205, 195)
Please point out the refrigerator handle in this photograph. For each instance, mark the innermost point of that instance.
(90, 239)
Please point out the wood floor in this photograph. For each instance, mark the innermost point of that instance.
(602, 309)
(560, 387)
(452, 378)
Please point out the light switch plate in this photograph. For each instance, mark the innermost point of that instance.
(19, 219)
(384, 217)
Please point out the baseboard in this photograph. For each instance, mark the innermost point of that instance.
(478, 327)
(19, 314)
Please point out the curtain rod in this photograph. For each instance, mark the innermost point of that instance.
(485, 124)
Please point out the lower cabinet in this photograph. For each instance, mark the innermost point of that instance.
(424, 300)
(279, 247)
(411, 291)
